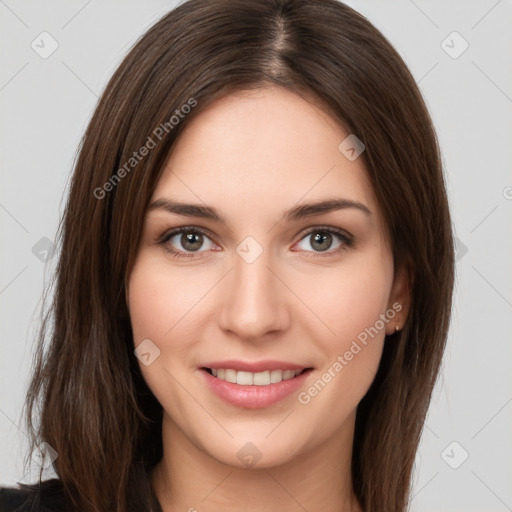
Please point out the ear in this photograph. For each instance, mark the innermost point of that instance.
(399, 299)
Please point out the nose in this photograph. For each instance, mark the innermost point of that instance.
(254, 300)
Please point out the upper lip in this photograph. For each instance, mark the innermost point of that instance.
(253, 366)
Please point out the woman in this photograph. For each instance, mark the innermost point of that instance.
(255, 280)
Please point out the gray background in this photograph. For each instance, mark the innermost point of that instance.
(46, 104)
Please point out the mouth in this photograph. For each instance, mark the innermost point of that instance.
(254, 389)
(244, 378)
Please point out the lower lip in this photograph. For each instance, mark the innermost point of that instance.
(254, 397)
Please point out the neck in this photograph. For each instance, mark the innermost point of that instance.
(188, 479)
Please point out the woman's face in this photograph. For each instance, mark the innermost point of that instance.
(260, 286)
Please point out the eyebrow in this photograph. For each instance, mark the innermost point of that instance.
(301, 211)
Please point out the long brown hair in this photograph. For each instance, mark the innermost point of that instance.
(87, 398)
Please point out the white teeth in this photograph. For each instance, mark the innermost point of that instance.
(288, 374)
(276, 376)
(262, 378)
(244, 378)
(231, 376)
(259, 379)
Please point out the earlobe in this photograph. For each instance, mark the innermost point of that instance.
(399, 300)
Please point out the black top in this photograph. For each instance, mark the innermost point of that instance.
(45, 497)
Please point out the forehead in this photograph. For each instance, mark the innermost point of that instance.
(265, 147)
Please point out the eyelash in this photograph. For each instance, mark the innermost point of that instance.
(346, 240)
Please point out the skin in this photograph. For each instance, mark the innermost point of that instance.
(252, 156)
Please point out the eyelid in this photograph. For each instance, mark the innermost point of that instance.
(320, 228)
(168, 234)
(171, 233)
(346, 238)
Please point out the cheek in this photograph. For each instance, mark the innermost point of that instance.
(351, 306)
(348, 299)
(169, 306)
(148, 303)
(160, 300)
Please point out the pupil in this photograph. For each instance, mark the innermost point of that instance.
(321, 238)
(192, 241)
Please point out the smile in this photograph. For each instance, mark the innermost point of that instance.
(258, 379)
(253, 385)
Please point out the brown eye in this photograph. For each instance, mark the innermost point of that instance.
(321, 241)
(191, 241)
(328, 240)
(184, 241)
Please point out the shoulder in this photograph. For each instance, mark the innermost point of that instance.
(47, 496)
